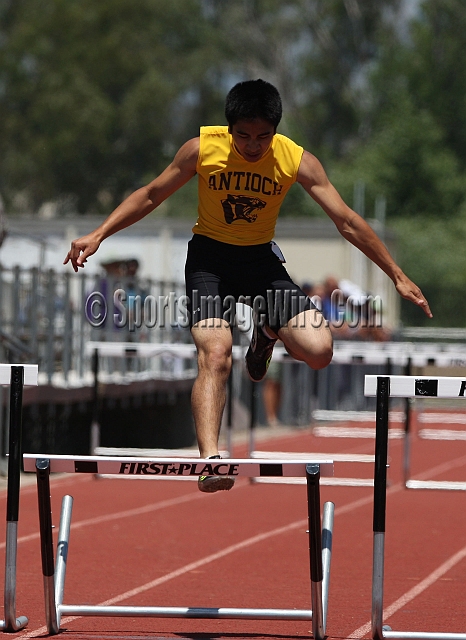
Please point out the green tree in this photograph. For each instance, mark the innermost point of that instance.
(435, 70)
(408, 160)
(432, 252)
(317, 52)
(90, 94)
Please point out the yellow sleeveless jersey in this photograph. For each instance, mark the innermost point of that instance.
(239, 201)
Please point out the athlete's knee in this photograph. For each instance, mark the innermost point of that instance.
(320, 354)
(322, 357)
(215, 358)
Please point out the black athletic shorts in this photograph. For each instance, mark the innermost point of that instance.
(219, 274)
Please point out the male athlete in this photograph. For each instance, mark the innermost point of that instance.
(244, 171)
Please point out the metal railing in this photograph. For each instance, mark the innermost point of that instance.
(47, 318)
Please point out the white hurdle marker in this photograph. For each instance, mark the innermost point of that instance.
(15, 375)
(320, 535)
(384, 387)
(328, 481)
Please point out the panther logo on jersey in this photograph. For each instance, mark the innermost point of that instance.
(241, 208)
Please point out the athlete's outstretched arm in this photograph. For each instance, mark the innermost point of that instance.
(138, 204)
(354, 228)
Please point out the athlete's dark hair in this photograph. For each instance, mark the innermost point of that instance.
(253, 99)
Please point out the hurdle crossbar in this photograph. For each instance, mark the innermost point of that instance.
(326, 481)
(151, 453)
(16, 376)
(320, 535)
(384, 387)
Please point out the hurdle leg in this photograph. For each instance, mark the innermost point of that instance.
(327, 539)
(407, 443)
(407, 432)
(380, 498)
(11, 622)
(62, 552)
(46, 543)
(315, 550)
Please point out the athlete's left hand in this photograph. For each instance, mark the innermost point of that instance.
(410, 291)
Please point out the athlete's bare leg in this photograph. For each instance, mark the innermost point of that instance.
(308, 339)
(213, 341)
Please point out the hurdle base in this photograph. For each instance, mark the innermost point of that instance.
(442, 485)
(422, 635)
(184, 612)
(18, 624)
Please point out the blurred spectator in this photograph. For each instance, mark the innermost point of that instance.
(317, 294)
(367, 315)
(330, 305)
(307, 288)
(352, 313)
(133, 289)
(106, 314)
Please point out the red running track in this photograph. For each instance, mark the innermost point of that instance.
(163, 543)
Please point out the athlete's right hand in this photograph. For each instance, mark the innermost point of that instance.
(80, 251)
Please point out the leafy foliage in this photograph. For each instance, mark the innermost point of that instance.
(408, 160)
(87, 94)
(95, 98)
(432, 252)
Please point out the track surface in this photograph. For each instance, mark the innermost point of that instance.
(163, 543)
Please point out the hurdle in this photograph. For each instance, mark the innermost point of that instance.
(391, 354)
(345, 352)
(385, 387)
(16, 376)
(443, 485)
(320, 534)
(406, 355)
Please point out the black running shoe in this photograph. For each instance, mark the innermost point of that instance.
(211, 484)
(259, 354)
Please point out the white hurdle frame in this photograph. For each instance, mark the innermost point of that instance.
(443, 485)
(320, 534)
(384, 387)
(16, 375)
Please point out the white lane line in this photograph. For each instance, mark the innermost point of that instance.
(441, 468)
(149, 508)
(414, 592)
(28, 483)
(436, 574)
